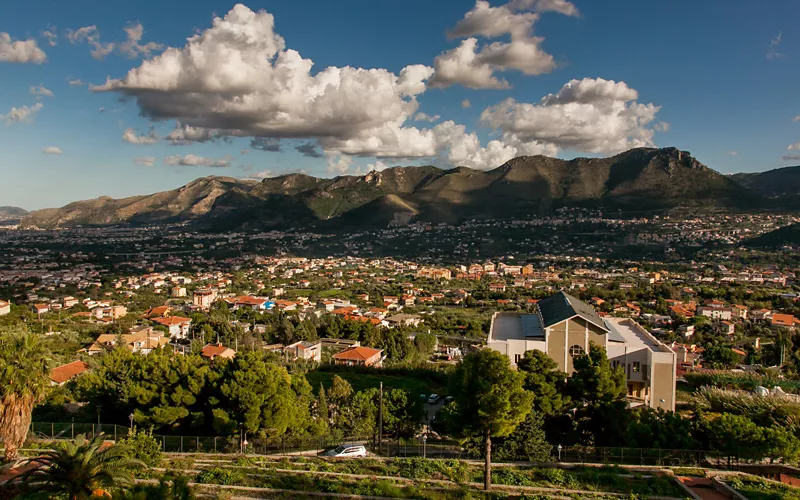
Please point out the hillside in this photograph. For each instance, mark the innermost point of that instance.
(12, 212)
(787, 235)
(636, 180)
(191, 201)
(781, 184)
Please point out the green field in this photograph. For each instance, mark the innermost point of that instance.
(362, 381)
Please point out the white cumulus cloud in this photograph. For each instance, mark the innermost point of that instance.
(191, 160)
(424, 117)
(147, 161)
(40, 90)
(473, 65)
(22, 114)
(52, 150)
(132, 137)
(594, 115)
(20, 51)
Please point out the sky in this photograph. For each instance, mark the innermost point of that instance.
(116, 99)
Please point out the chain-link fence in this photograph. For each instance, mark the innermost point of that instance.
(388, 447)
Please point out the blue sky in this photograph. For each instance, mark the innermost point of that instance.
(720, 76)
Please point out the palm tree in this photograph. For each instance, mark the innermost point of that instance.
(79, 470)
(24, 380)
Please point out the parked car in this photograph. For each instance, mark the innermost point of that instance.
(434, 399)
(448, 400)
(347, 450)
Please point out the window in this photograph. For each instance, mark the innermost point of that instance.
(576, 350)
(517, 357)
(637, 367)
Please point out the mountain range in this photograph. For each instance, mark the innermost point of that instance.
(642, 179)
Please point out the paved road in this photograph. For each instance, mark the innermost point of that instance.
(702, 488)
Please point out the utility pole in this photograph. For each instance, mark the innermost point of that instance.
(380, 419)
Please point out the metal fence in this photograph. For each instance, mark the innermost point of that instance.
(389, 447)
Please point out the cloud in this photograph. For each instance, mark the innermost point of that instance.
(238, 79)
(259, 176)
(772, 48)
(339, 163)
(790, 157)
(20, 51)
(473, 66)
(22, 114)
(191, 160)
(132, 46)
(101, 109)
(793, 147)
(131, 137)
(423, 117)
(147, 161)
(51, 36)
(52, 150)
(796, 118)
(661, 127)
(594, 115)
(77, 82)
(186, 134)
(377, 166)
(308, 149)
(270, 144)
(40, 90)
(733, 153)
(466, 104)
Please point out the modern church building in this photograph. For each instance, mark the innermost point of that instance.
(563, 327)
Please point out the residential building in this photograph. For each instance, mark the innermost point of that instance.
(112, 312)
(141, 339)
(785, 320)
(5, 307)
(715, 313)
(69, 302)
(212, 351)
(305, 350)
(40, 308)
(204, 298)
(404, 319)
(564, 327)
(359, 356)
(178, 326)
(60, 375)
(178, 291)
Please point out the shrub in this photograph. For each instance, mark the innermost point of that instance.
(141, 445)
(225, 477)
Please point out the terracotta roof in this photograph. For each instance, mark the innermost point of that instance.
(172, 320)
(159, 311)
(783, 319)
(214, 350)
(61, 374)
(357, 353)
(250, 301)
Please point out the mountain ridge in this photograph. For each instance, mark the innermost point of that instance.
(638, 179)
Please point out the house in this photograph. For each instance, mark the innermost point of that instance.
(563, 327)
(714, 312)
(305, 350)
(404, 319)
(178, 327)
(203, 298)
(785, 320)
(726, 327)
(254, 303)
(359, 356)
(760, 314)
(60, 375)
(141, 339)
(157, 312)
(40, 308)
(68, 302)
(178, 291)
(5, 307)
(112, 312)
(217, 350)
(686, 330)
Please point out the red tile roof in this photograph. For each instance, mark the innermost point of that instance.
(357, 353)
(172, 320)
(61, 374)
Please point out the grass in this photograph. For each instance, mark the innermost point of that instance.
(362, 381)
(758, 489)
(266, 473)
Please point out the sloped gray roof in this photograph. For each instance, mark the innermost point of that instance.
(562, 306)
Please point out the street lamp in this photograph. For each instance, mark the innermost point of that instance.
(424, 441)
(559, 452)
(130, 417)
(244, 443)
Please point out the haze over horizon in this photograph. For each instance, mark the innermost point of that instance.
(120, 100)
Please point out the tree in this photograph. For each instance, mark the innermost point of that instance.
(402, 413)
(651, 428)
(490, 399)
(528, 442)
(141, 445)
(734, 435)
(780, 443)
(79, 469)
(545, 381)
(24, 381)
(720, 357)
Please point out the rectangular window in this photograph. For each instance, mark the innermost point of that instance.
(637, 367)
(517, 357)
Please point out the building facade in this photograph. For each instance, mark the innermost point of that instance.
(563, 327)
